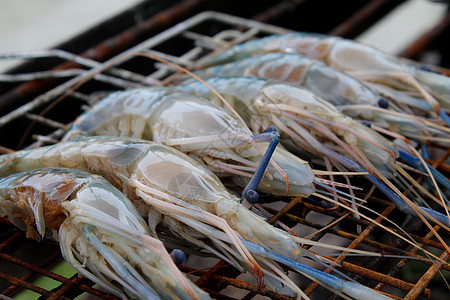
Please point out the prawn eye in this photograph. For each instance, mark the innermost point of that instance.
(251, 196)
(270, 129)
(383, 103)
(366, 123)
(178, 257)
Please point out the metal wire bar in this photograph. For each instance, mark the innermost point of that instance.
(221, 275)
(125, 74)
(235, 283)
(423, 282)
(403, 262)
(56, 256)
(47, 273)
(38, 270)
(46, 121)
(356, 242)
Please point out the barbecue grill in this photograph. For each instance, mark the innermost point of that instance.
(182, 32)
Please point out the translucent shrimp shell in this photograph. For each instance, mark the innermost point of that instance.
(163, 168)
(345, 55)
(194, 126)
(327, 83)
(100, 232)
(243, 93)
(122, 114)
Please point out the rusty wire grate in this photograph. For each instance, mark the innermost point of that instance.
(380, 273)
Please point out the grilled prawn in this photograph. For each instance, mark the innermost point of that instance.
(168, 188)
(199, 128)
(316, 126)
(345, 92)
(99, 231)
(175, 191)
(403, 82)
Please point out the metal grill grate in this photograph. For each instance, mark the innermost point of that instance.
(122, 72)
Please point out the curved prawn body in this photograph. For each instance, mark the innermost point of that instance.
(197, 127)
(176, 191)
(391, 76)
(99, 231)
(252, 96)
(326, 82)
(348, 94)
(315, 126)
(170, 189)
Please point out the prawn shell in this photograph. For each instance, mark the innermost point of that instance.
(33, 202)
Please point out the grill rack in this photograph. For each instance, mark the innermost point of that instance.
(116, 75)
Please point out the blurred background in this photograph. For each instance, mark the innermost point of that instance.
(34, 25)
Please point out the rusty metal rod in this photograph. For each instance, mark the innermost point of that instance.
(75, 281)
(26, 285)
(236, 283)
(426, 278)
(284, 210)
(366, 241)
(357, 22)
(10, 240)
(404, 261)
(417, 238)
(11, 289)
(355, 243)
(53, 276)
(202, 281)
(380, 277)
(277, 10)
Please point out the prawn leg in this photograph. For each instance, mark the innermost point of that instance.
(221, 140)
(192, 211)
(336, 284)
(117, 264)
(444, 116)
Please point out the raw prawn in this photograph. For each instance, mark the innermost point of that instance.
(326, 82)
(166, 187)
(346, 93)
(196, 127)
(310, 121)
(389, 75)
(99, 231)
(177, 191)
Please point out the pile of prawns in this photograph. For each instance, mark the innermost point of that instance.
(142, 169)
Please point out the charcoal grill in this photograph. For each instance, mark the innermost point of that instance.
(183, 43)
